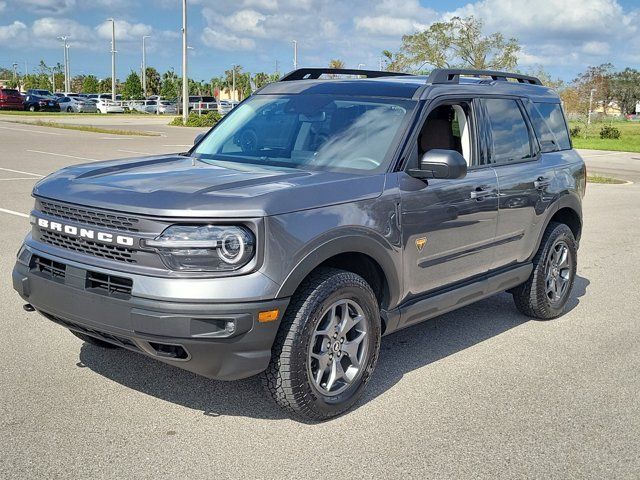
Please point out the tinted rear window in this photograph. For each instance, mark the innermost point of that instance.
(509, 132)
(550, 126)
(8, 91)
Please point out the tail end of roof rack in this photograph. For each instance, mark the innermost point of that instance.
(441, 76)
(316, 73)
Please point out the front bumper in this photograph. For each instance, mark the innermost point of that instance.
(193, 335)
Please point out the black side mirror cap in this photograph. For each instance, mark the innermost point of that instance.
(199, 137)
(443, 164)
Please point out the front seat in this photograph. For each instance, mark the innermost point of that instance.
(437, 132)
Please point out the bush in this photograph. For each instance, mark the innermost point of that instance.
(208, 119)
(609, 131)
(575, 132)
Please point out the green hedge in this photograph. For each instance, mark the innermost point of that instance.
(208, 119)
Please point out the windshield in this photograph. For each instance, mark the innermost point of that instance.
(314, 132)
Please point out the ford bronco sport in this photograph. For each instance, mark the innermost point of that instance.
(316, 217)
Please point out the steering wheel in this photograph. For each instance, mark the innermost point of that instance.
(248, 140)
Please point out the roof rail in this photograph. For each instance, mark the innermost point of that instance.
(315, 73)
(452, 75)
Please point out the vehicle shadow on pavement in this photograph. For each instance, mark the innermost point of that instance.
(401, 353)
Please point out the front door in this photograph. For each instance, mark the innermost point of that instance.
(448, 226)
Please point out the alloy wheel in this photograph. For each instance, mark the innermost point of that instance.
(558, 271)
(338, 351)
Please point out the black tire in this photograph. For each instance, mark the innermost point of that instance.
(288, 376)
(69, 109)
(93, 341)
(532, 298)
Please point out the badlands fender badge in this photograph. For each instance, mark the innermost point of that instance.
(420, 243)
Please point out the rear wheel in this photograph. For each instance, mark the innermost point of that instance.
(69, 109)
(545, 294)
(327, 346)
(93, 341)
(32, 108)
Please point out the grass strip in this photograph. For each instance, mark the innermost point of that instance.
(88, 128)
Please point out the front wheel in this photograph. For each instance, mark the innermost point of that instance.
(69, 109)
(547, 291)
(32, 108)
(327, 346)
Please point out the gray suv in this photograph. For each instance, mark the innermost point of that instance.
(317, 217)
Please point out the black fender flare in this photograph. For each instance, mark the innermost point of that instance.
(567, 199)
(377, 249)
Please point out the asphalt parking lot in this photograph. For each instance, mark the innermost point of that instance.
(483, 392)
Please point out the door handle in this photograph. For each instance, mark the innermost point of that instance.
(481, 192)
(541, 183)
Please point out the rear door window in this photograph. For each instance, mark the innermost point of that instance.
(510, 140)
(550, 126)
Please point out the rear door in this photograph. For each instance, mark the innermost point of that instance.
(524, 178)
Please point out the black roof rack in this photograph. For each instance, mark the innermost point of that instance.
(452, 75)
(315, 73)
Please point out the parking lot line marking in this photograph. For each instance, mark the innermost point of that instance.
(16, 178)
(11, 212)
(63, 155)
(20, 171)
(33, 131)
(136, 152)
(117, 138)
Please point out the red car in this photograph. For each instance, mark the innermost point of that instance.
(10, 99)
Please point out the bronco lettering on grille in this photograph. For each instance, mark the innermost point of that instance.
(74, 231)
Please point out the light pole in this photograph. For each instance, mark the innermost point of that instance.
(593, 90)
(113, 59)
(185, 80)
(233, 89)
(15, 72)
(295, 54)
(65, 47)
(68, 85)
(144, 66)
(360, 65)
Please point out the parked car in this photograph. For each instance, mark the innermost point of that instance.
(39, 93)
(225, 106)
(10, 99)
(77, 104)
(202, 103)
(106, 105)
(37, 103)
(373, 204)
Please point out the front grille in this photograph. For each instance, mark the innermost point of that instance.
(91, 217)
(49, 268)
(109, 284)
(82, 245)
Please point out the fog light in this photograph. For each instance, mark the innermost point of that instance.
(230, 327)
(268, 316)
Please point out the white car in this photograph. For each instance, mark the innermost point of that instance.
(77, 104)
(106, 105)
(225, 106)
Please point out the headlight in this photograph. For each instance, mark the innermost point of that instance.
(205, 248)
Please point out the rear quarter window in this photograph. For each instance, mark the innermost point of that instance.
(550, 126)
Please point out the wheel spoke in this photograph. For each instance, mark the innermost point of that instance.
(564, 258)
(323, 364)
(351, 349)
(332, 320)
(336, 373)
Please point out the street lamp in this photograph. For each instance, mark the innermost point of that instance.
(65, 47)
(360, 65)
(185, 86)
(295, 54)
(144, 66)
(113, 59)
(233, 75)
(15, 72)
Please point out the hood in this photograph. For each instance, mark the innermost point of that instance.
(172, 186)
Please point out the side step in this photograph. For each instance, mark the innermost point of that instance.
(440, 303)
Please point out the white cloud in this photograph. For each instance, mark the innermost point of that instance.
(225, 41)
(13, 32)
(3, 5)
(125, 31)
(387, 26)
(247, 22)
(47, 7)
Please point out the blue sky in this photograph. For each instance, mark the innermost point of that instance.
(562, 36)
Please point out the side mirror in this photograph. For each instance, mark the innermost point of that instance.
(444, 164)
(199, 137)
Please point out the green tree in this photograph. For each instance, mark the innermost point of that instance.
(105, 85)
(132, 88)
(261, 79)
(458, 42)
(154, 81)
(545, 77)
(91, 84)
(600, 80)
(625, 88)
(336, 63)
(77, 82)
(170, 86)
